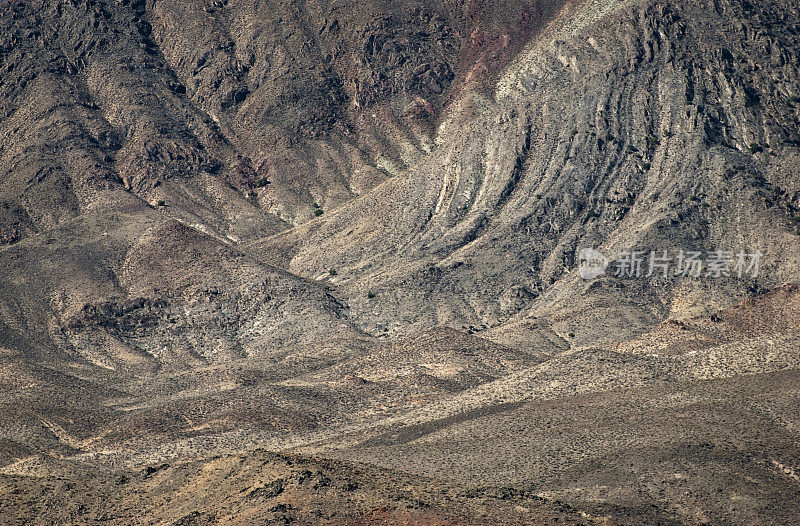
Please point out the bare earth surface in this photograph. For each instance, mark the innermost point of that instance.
(317, 262)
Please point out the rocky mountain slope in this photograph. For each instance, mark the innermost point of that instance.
(639, 132)
(351, 233)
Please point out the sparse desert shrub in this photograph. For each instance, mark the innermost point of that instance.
(318, 212)
(261, 183)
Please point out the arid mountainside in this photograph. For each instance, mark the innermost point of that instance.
(245, 241)
(646, 130)
(232, 113)
(266, 488)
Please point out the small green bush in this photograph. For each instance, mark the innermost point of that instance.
(261, 183)
(161, 203)
(318, 212)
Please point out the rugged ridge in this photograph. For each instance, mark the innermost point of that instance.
(348, 234)
(657, 145)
